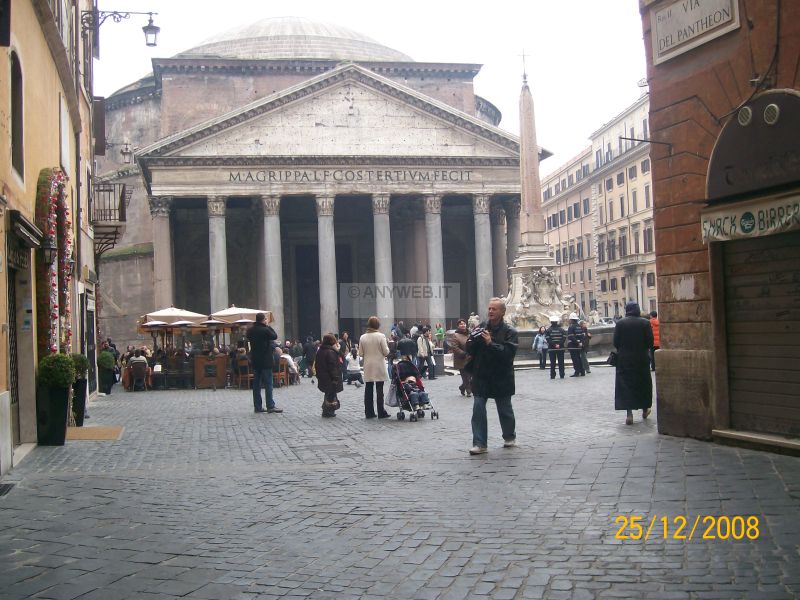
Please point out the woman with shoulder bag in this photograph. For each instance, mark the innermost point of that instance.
(329, 374)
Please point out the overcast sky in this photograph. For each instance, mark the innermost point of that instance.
(585, 57)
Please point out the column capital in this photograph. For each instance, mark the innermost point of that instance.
(271, 205)
(480, 204)
(380, 204)
(216, 206)
(512, 208)
(433, 204)
(325, 205)
(160, 206)
(497, 214)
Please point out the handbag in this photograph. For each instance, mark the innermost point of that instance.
(391, 398)
(612, 358)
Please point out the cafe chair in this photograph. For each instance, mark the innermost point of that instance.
(281, 376)
(138, 376)
(243, 376)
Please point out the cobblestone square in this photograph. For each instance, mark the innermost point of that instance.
(202, 498)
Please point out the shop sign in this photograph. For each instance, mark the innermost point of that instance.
(687, 24)
(751, 219)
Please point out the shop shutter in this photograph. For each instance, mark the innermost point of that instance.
(762, 304)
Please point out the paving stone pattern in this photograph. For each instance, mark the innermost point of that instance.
(202, 498)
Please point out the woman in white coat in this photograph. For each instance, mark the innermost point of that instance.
(374, 348)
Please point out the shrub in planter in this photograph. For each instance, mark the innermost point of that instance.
(105, 362)
(81, 364)
(56, 375)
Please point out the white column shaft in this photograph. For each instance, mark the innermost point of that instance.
(164, 285)
(483, 252)
(218, 254)
(328, 306)
(384, 304)
(433, 237)
(273, 263)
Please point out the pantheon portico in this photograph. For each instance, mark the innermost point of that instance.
(345, 176)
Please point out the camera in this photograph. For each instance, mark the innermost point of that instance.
(476, 333)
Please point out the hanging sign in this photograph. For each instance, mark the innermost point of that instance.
(751, 219)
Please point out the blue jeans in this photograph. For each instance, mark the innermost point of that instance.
(480, 428)
(262, 377)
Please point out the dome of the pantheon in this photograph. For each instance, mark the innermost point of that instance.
(288, 38)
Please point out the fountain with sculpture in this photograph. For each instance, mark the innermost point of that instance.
(540, 298)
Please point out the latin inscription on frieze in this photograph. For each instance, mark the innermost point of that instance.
(350, 176)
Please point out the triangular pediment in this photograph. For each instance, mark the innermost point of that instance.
(349, 111)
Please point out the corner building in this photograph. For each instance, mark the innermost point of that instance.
(282, 159)
(725, 105)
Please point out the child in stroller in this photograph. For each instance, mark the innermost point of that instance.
(411, 394)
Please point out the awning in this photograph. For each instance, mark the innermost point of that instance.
(27, 232)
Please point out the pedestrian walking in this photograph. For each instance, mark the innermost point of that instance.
(492, 346)
(656, 327)
(587, 338)
(575, 339)
(556, 338)
(425, 345)
(261, 336)
(457, 342)
(540, 346)
(373, 348)
(329, 374)
(633, 387)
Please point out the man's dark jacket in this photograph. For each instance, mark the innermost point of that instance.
(492, 365)
(261, 336)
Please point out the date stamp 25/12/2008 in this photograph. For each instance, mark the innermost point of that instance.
(702, 527)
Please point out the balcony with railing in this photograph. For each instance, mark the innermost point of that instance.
(107, 214)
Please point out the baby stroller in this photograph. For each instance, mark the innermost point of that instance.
(409, 396)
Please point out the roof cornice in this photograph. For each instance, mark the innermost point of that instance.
(206, 64)
(326, 160)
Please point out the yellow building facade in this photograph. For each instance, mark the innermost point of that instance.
(45, 103)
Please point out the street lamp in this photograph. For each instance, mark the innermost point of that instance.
(126, 152)
(49, 250)
(92, 19)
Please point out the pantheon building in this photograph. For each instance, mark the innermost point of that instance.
(279, 161)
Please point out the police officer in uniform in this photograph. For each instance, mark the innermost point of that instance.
(576, 338)
(556, 340)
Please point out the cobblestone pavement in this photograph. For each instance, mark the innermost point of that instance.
(202, 498)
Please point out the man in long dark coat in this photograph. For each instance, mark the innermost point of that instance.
(633, 338)
(492, 346)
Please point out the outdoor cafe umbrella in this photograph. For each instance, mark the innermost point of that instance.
(171, 315)
(236, 313)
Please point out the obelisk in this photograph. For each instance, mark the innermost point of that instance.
(533, 252)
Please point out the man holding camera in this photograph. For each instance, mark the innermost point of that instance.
(492, 346)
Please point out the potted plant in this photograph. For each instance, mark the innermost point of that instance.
(105, 365)
(81, 364)
(55, 378)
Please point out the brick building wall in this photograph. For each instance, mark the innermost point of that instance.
(692, 96)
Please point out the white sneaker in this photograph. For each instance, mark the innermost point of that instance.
(478, 450)
(509, 443)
